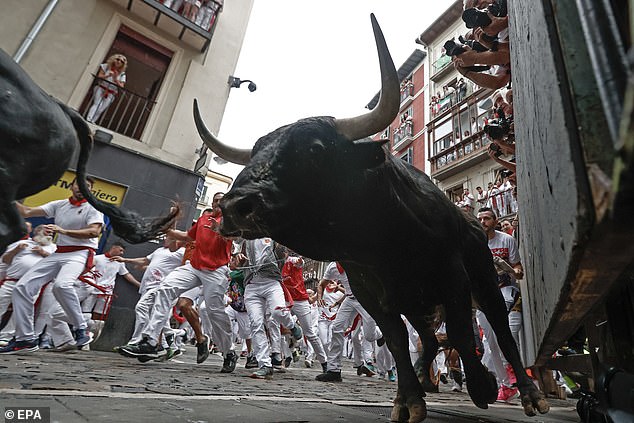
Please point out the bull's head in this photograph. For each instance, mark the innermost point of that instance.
(292, 173)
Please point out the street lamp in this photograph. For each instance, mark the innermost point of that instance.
(236, 82)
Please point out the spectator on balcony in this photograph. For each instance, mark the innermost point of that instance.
(468, 200)
(474, 126)
(433, 105)
(482, 197)
(462, 90)
(111, 77)
(190, 9)
(207, 13)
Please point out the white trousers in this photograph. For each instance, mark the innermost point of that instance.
(493, 358)
(345, 316)
(51, 316)
(143, 311)
(63, 269)
(214, 283)
(325, 332)
(242, 327)
(260, 299)
(384, 359)
(99, 104)
(6, 291)
(303, 311)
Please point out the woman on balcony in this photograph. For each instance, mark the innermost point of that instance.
(110, 77)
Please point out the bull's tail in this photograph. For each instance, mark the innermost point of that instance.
(128, 225)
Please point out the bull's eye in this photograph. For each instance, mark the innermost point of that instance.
(316, 150)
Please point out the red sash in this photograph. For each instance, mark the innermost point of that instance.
(72, 248)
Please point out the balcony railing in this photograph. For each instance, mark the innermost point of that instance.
(407, 91)
(463, 150)
(442, 105)
(127, 114)
(441, 63)
(401, 133)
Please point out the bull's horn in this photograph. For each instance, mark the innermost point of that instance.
(387, 109)
(230, 154)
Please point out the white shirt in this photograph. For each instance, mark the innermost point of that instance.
(105, 271)
(68, 216)
(332, 274)
(162, 262)
(26, 258)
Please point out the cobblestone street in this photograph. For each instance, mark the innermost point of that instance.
(106, 387)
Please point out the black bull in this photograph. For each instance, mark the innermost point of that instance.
(38, 135)
(320, 187)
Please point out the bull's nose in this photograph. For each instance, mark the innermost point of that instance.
(237, 207)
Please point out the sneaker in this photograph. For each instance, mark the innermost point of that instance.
(308, 363)
(329, 376)
(288, 361)
(456, 387)
(229, 364)
(177, 352)
(69, 346)
(391, 375)
(17, 347)
(296, 332)
(295, 356)
(443, 378)
(142, 349)
(456, 375)
(4, 342)
(82, 337)
(506, 394)
(118, 348)
(46, 344)
(203, 351)
(252, 362)
(263, 372)
(366, 369)
(276, 360)
(170, 339)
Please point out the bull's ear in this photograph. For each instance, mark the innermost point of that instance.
(366, 154)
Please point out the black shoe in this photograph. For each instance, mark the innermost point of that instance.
(443, 378)
(287, 361)
(324, 367)
(276, 361)
(229, 365)
(252, 362)
(203, 351)
(329, 377)
(366, 369)
(142, 349)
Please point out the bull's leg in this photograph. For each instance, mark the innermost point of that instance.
(430, 350)
(409, 400)
(491, 302)
(11, 223)
(481, 384)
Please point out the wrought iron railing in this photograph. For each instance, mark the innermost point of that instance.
(127, 114)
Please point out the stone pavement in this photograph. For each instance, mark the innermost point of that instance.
(106, 387)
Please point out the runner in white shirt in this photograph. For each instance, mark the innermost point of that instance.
(348, 310)
(95, 287)
(77, 225)
(19, 257)
(159, 264)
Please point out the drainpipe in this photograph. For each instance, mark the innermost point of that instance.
(35, 30)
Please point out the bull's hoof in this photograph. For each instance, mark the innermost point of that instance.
(484, 391)
(533, 399)
(399, 414)
(417, 410)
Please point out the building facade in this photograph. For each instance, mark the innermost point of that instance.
(456, 113)
(146, 141)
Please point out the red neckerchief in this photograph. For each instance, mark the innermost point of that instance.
(76, 203)
(107, 255)
(25, 237)
(339, 268)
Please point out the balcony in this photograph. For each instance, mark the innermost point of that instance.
(127, 115)
(465, 153)
(196, 30)
(407, 93)
(403, 133)
(441, 67)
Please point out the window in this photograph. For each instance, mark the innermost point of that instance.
(408, 157)
(126, 109)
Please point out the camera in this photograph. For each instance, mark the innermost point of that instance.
(454, 49)
(474, 18)
(497, 129)
(473, 44)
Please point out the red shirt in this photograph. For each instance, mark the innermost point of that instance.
(293, 279)
(212, 250)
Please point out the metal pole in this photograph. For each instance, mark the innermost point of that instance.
(35, 30)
